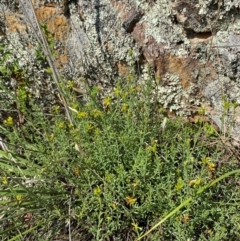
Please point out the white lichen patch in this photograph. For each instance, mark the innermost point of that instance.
(161, 27)
(171, 94)
(225, 6)
(100, 40)
(22, 62)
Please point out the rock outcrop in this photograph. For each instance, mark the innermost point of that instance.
(192, 46)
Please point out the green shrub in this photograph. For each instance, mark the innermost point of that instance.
(114, 173)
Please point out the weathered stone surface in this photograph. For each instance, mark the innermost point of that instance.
(192, 46)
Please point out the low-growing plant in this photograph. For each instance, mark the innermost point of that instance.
(114, 173)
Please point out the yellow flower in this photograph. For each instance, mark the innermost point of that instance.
(117, 92)
(97, 113)
(153, 147)
(114, 206)
(135, 184)
(109, 177)
(208, 163)
(56, 108)
(89, 127)
(4, 180)
(107, 101)
(70, 84)
(61, 125)
(136, 227)
(205, 160)
(202, 110)
(131, 89)
(180, 184)
(124, 107)
(97, 191)
(189, 160)
(130, 200)
(195, 182)
(185, 218)
(19, 197)
(81, 114)
(76, 171)
(211, 167)
(8, 121)
(51, 137)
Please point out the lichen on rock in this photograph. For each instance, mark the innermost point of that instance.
(192, 46)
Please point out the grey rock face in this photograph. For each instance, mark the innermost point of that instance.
(192, 46)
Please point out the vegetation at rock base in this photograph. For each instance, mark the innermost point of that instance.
(121, 170)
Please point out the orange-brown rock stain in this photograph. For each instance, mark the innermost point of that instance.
(13, 23)
(56, 24)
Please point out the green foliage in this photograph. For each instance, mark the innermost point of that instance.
(40, 55)
(227, 105)
(116, 172)
(9, 70)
